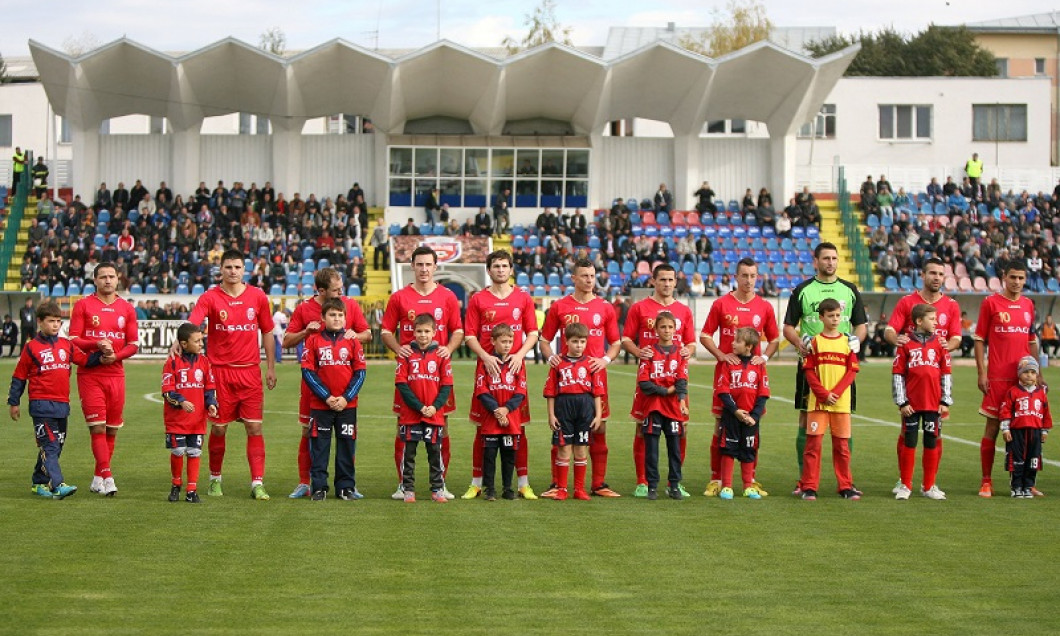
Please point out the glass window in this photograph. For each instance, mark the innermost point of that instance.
(551, 163)
(1039, 66)
(821, 127)
(474, 193)
(401, 192)
(529, 163)
(401, 161)
(577, 163)
(905, 122)
(262, 127)
(158, 125)
(104, 127)
(426, 162)
(5, 130)
(999, 122)
(1002, 66)
(452, 162)
(502, 163)
(476, 162)
(244, 123)
(716, 127)
(738, 126)
(65, 134)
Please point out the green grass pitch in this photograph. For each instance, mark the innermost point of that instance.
(137, 564)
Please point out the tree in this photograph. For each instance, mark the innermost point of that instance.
(744, 24)
(274, 41)
(543, 27)
(78, 45)
(935, 51)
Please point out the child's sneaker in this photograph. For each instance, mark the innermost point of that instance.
(678, 493)
(300, 491)
(489, 494)
(986, 488)
(348, 494)
(320, 495)
(808, 495)
(652, 493)
(752, 493)
(109, 488)
(798, 490)
(726, 494)
(62, 491)
(852, 494)
(258, 492)
(510, 494)
(761, 491)
(445, 493)
(713, 488)
(438, 496)
(97, 484)
(399, 494)
(174, 494)
(605, 491)
(903, 493)
(472, 492)
(408, 495)
(549, 493)
(215, 488)
(1026, 494)
(584, 496)
(897, 487)
(526, 492)
(933, 493)
(192, 497)
(41, 490)
(560, 494)
(641, 490)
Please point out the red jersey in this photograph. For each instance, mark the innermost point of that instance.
(502, 387)
(407, 303)
(729, 314)
(45, 365)
(485, 311)
(921, 369)
(574, 377)
(187, 378)
(640, 322)
(597, 314)
(1026, 408)
(332, 361)
(425, 372)
(663, 369)
(1005, 326)
(946, 308)
(235, 322)
(92, 320)
(744, 381)
(309, 311)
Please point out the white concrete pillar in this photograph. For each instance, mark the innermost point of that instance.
(287, 153)
(186, 157)
(597, 198)
(782, 168)
(86, 158)
(688, 173)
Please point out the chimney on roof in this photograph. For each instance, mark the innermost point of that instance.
(671, 27)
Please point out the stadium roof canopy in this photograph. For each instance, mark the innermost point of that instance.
(658, 80)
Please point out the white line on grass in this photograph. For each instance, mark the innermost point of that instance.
(959, 440)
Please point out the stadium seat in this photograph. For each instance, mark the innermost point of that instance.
(197, 289)
(734, 205)
(308, 251)
(703, 269)
(965, 284)
(308, 290)
(522, 279)
(568, 281)
(292, 278)
(276, 290)
(355, 252)
(594, 242)
(688, 268)
(555, 292)
(613, 267)
(754, 231)
(906, 282)
(538, 291)
(353, 290)
(813, 233)
(1053, 285)
(678, 218)
(104, 216)
(807, 270)
(980, 285)
(995, 285)
(99, 240)
(134, 215)
(182, 289)
(291, 289)
(628, 267)
(89, 288)
(135, 289)
(309, 266)
(891, 284)
(739, 232)
(307, 279)
(322, 263)
(518, 242)
(73, 290)
(950, 284)
(663, 218)
(151, 289)
(537, 279)
(553, 280)
(395, 229)
(634, 218)
(706, 218)
(798, 232)
(533, 242)
(681, 231)
(518, 230)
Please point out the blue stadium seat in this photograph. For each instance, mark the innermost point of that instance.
(89, 288)
(710, 231)
(73, 290)
(891, 283)
(769, 232)
(522, 280)
(721, 219)
(291, 289)
(353, 290)
(734, 205)
(553, 280)
(197, 289)
(798, 232)
(807, 270)
(537, 279)
(134, 215)
(307, 279)
(308, 290)
(104, 216)
(135, 289)
(628, 267)
(518, 230)
(58, 290)
(308, 251)
(309, 265)
(1053, 285)
(754, 231)
(681, 231)
(99, 240)
(873, 222)
(703, 269)
(182, 289)
(356, 252)
(613, 267)
(662, 218)
(739, 231)
(518, 242)
(906, 282)
(292, 278)
(555, 292)
(276, 290)
(706, 218)
(322, 263)
(533, 242)
(395, 229)
(688, 268)
(538, 291)
(151, 288)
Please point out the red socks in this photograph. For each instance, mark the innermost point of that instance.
(304, 460)
(715, 458)
(111, 439)
(522, 457)
(399, 455)
(217, 454)
(638, 458)
(476, 456)
(906, 461)
(176, 467)
(930, 462)
(747, 472)
(101, 453)
(598, 453)
(561, 472)
(256, 457)
(726, 466)
(193, 473)
(579, 474)
(986, 456)
(446, 454)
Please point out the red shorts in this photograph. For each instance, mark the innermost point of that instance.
(102, 398)
(303, 405)
(993, 398)
(240, 394)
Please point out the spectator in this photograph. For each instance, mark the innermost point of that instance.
(769, 286)
(748, 203)
(579, 228)
(887, 264)
(1049, 337)
(664, 200)
(410, 229)
(934, 191)
(501, 217)
(706, 199)
(483, 226)
(432, 204)
(697, 288)
(546, 222)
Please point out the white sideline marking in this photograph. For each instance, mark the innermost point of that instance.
(959, 440)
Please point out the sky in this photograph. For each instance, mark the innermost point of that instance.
(186, 25)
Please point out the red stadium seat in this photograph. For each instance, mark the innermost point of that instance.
(980, 285)
(678, 218)
(965, 284)
(647, 218)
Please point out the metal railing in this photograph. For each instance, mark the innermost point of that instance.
(852, 230)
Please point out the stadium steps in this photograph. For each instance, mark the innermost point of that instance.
(13, 280)
(377, 282)
(832, 231)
